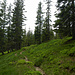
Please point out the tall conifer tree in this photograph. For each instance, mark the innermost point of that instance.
(2, 25)
(17, 24)
(39, 20)
(9, 20)
(65, 17)
(46, 25)
(1, 32)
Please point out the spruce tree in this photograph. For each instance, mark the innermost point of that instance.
(3, 6)
(1, 33)
(73, 19)
(46, 25)
(65, 17)
(2, 26)
(30, 38)
(9, 20)
(39, 20)
(24, 38)
(17, 24)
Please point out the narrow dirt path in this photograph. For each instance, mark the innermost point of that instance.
(37, 68)
(16, 54)
(21, 52)
(26, 59)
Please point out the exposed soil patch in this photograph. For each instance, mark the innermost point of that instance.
(16, 54)
(39, 69)
(26, 59)
(21, 52)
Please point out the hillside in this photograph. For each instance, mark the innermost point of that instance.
(56, 57)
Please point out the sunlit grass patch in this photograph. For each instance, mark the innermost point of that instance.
(32, 73)
(11, 63)
(21, 61)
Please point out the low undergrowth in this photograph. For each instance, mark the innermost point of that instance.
(56, 57)
(33, 73)
(15, 65)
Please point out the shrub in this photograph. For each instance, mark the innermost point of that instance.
(38, 62)
(72, 68)
(65, 51)
(23, 48)
(13, 49)
(28, 62)
(33, 73)
(21, 61)
(11, 63)
(72, 52)
(50, 58)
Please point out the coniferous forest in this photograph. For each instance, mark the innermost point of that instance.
(51, 47)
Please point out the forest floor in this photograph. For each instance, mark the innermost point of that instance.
(56, 57)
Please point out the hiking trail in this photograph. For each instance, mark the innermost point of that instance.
(37, 68)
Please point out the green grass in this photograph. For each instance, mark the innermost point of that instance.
(14, 65)
(56, 57)
(33, 73)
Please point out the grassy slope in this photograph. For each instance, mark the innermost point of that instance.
(15, 65)
(56, 57)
